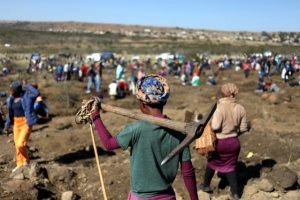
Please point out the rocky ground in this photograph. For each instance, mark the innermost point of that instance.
(63, 164)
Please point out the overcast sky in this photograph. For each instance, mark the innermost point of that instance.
(231, 15)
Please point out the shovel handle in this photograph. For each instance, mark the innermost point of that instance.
(171, 124)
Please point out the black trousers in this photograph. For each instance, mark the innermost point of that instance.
(231, 177)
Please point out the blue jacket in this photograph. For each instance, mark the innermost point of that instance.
(27, 99)
(44, 106)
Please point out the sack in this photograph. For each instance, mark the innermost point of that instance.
(206, 144)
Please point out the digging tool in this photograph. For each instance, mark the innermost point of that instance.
(193, 130)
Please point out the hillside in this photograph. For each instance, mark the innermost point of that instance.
(80, 37)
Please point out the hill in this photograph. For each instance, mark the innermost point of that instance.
(83, 37)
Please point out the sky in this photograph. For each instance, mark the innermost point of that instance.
(230, 15)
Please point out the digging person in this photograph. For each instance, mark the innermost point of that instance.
(149, 145)
(22, 116)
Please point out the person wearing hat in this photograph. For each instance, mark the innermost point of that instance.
(150, 144)
(41, 108)
(228, 122)
(22, 116)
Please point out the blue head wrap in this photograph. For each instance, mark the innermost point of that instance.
(152, 90)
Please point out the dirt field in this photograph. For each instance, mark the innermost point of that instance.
(61, 142)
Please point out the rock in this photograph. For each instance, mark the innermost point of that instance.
(19, 176)
(298, 161)
(273, 99)
(2, 161)
(250, 190)
(81, 175)
(275, 195)
(213, 98)
(59, 174)
(265, 185)
(21, 186)
(284, 95)
(292, 195)
(88, 148)
(224, 197)
(36, 172)
(9, 141)
(68, 195)
(259, 196)
(32, 149)
(284, 176)
(203, 195)
(265, 96)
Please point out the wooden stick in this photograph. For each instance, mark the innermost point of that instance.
(98, 163)
(171, 124)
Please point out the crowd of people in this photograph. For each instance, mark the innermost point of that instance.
(229, 120)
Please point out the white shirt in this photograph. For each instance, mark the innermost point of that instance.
(66, 67)
(41, 65)
(113, 88)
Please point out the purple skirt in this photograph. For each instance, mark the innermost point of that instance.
(169, 194)
(225, 158)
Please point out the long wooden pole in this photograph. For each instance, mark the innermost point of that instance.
(171, 124)
(98, 163)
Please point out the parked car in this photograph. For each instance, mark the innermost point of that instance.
(165, 56)
(94, 57)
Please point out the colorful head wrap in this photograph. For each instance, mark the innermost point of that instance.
(152, 90)
(229, 89)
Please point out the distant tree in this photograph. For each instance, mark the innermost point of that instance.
(264, 33)
(296, 40)
(281, 36)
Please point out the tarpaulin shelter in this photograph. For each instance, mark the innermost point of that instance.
(35, 56)
(107, 55)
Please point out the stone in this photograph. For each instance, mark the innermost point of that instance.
(2, 161)
(298, 161)
(203, 195)
(284, 176)
(9, 141)
(59, 174)
(224, 197)
(259, 196)
(250, 190)
(19, 176)
(32, 149)
(81, 175)
(292, 195)
(88, 148)
(68, 195)
(275, 195)
(265, 96)
(35, 172)
(265, 185)
(273, 99)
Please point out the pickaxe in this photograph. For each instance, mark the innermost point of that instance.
(193, 130)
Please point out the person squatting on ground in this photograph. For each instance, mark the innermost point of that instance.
(149, 145)
(41, 109)
(22, 116)
(228, 122)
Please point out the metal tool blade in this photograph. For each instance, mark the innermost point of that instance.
(192, 134)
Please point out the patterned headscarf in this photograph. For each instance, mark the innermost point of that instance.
(152, 90)
(229, 89)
